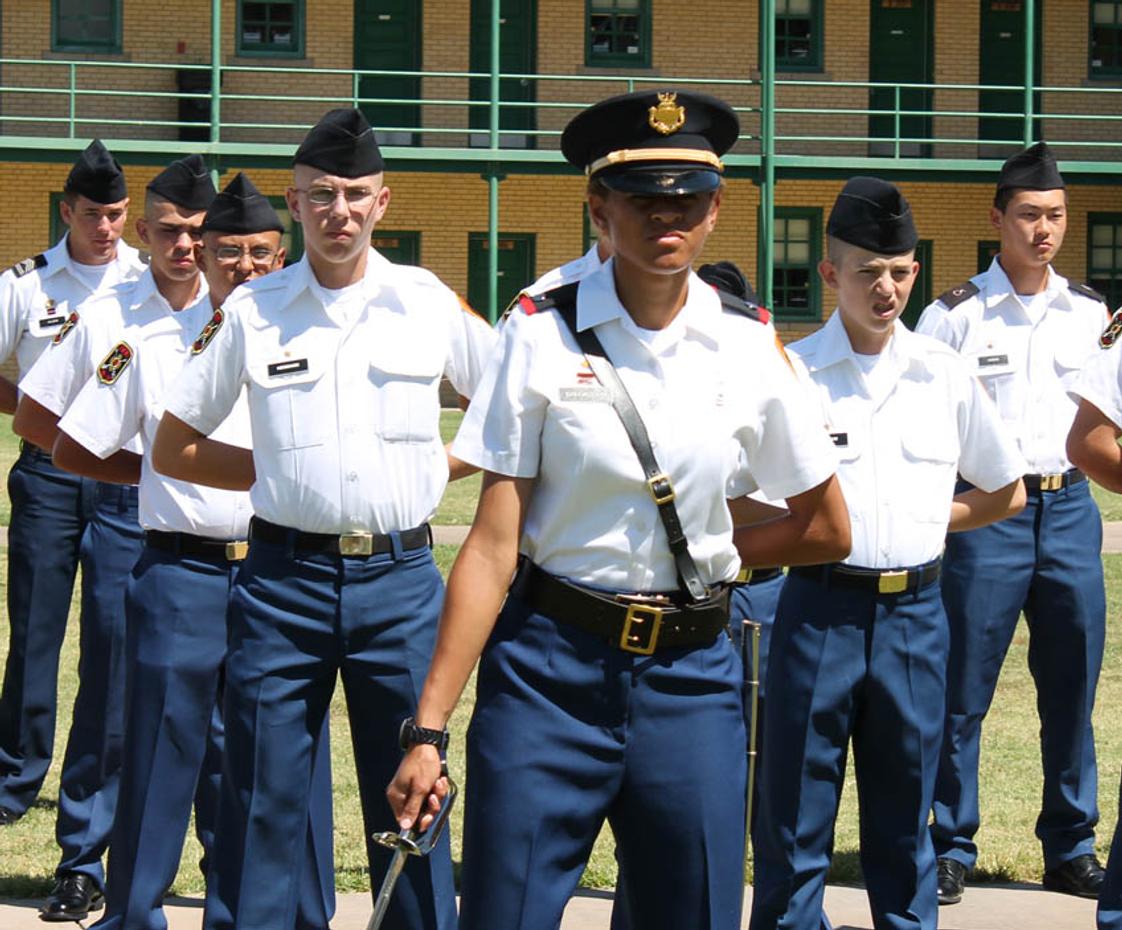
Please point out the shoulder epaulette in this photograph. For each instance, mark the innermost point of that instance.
(730, 303)
(953, 296)
(1086, 291)
(558, 298)
(19, 269)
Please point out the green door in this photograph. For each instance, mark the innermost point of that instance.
(401, 248)
(388, 38)
(901, 33)
(518, 42)
(921, 290)
(1002, 44)
(516, 268)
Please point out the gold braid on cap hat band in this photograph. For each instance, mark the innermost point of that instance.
(624, 156)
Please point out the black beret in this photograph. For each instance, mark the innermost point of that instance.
(874, 215)
(726, 276)
(97, 175)
(653, 141)
(241, 209)
(186, 183)
(342, 144)
(1033, 169)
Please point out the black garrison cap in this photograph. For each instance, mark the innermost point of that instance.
(653, 141)
(186, 183)
(97, 175)
(1033, 169)
(726, 276)
(343, 144)
(241, 209)
(874, 215)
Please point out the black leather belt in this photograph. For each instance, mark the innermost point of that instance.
(346, 544)
(876, 580)
(202, 547)
(639, 623)
(1055, 482)
(757, 575)
(32, 451)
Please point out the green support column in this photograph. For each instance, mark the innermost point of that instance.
(215, 81)
(493, 176)
(1030, 63)
(765, 245)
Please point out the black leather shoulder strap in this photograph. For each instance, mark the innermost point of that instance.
(953, 296)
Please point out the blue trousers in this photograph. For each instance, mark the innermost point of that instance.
(176, 610)
(50, 512)
(849, 664)
(569, 731)
(1110, 898)
(295, 623)
(1045, 561)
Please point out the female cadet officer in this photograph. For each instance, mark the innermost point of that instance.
(604, 690)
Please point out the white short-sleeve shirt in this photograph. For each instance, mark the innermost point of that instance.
(38, 295)
(1026, 359)
(344, 405)
(107, 417)
(1100, 382)
(902, 437)
(722, 408)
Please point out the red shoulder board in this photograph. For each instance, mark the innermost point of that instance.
(765, 314)
(69, 324)
(114, 363)
(1113, 330)
(212, 326)
(528, 304)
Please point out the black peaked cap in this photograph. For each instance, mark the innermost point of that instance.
(241, 209)
(653, 141)
(343, 144)
(874, 215)
(726, 276)
(186, 183)
(1033, 169)
(97, 175)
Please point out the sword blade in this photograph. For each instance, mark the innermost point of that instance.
(382, 903)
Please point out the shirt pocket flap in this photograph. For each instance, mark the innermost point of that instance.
(285, 370)
(405, 362)
(1071, 356)
(991, 362)
(848, 442)
(924, 441)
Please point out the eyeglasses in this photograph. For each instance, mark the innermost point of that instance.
(326, 196)
(260, 255)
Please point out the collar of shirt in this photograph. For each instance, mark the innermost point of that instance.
(832, 346)
(58, 258)
(144, 292)
(597, 302)
(997, 287)
(302, 277)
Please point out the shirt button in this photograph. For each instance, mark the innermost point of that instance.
(352, 476)
(653, 403)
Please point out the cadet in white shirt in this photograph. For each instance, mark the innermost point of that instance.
(605, 690)
(50, 509)
(1026, 331)
(341, 359)
(860, 646)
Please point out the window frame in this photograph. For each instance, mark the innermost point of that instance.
(1114, 71)
(987, 250)
(593, 59)
(410, 235)
(815, 62)
(299, 25)
(295, 250)
(813, 310)
(112, 47)
(1113, 292)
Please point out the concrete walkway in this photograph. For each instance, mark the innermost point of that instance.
(985, 907)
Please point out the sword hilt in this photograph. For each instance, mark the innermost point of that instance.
(413, 842)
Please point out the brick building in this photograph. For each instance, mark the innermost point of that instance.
(930, 93)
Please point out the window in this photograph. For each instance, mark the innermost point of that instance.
(619, 32)
(400, 247)
(987, 252)
(1106, 38)
(1104, 256)
(271, 27)
(798, 35)
(86, 25)
(797, 239)
(292, 239)
(590, 235)
(58, 227)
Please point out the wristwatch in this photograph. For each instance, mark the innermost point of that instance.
(412, 735)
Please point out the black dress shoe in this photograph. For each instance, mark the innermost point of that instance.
(951, 876)
(7, 817)
(72, 898)
(1081, 876)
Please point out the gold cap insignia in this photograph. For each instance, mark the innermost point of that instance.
(667, 117)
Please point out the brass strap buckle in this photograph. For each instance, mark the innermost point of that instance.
(237, 550)
(661, 489)
(1051, 482)
(744, 576)
(641, 627)
(356, 544)
(893, 582)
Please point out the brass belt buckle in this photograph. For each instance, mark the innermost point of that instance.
(893, 582)
(237, 550)
(640, 629)
(1051, 482)
(661, 489)
(744, 576)
(356, 544)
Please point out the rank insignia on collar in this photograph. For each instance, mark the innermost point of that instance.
(71, 322)
(114, 363)
(50, 305)
(667, 117)
(1112, 331)
(209, 331)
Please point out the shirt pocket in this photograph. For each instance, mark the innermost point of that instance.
(289, 408)
(997, 371)
(43, 325)
(1069, 359)
(927, 475)
(406, 381)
